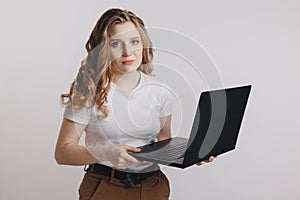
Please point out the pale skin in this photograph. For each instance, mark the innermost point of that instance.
(126, 51)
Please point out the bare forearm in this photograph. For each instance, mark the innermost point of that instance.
(165, 132)
(74, 154)
(163, 137)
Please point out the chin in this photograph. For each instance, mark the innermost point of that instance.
(128, 69)
(123, 69)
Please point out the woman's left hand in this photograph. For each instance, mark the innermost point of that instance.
(207, 161)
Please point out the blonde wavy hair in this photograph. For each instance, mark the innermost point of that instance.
(93, 80)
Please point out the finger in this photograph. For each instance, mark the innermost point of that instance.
(200, 163)
(122, 166)
(132, 149)
(122, 163)
(211, 158)
(129, 158)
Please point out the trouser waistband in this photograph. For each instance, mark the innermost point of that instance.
(128, 178)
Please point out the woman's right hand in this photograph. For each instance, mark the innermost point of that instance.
(116, 154)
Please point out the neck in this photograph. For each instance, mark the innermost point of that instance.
(127, 81)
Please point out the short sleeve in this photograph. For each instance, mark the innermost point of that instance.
(166, 102)
(81, 116)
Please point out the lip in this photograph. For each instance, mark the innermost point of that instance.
(127, 62)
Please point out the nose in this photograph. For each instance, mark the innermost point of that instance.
(126, 50)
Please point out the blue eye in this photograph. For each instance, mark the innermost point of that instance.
(115, 44)
(135, 42)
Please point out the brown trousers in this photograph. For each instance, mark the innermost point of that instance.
(98, 187)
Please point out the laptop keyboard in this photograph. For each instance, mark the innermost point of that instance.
(169, 155)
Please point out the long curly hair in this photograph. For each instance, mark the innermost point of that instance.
(93, 80)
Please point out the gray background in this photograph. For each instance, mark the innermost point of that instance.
(257, 42)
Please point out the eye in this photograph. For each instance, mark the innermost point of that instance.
(135, 42)
(115, 44)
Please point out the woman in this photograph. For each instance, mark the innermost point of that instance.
(119, 105)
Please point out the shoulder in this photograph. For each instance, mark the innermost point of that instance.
(79, 115)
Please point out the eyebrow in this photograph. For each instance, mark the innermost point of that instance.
(134, 37)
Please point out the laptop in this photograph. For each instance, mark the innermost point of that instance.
(215, 130)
